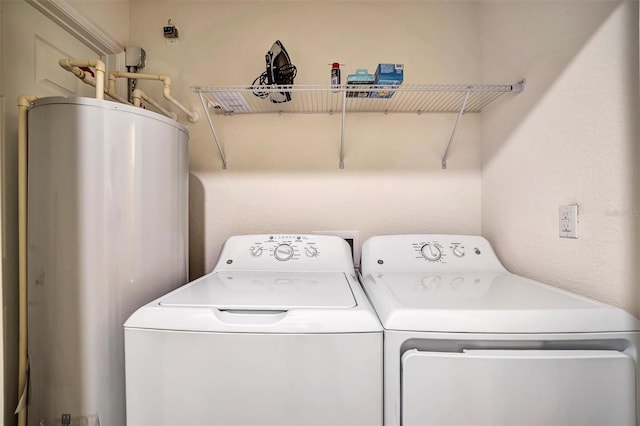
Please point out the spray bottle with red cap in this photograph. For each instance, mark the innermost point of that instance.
(335, 76)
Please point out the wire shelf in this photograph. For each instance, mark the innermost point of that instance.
(344, 99)
(356, 98)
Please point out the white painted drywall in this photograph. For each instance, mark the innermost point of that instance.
(571, 137)
(283, 171)
(111, 16)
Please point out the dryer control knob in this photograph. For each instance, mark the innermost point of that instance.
(431, 252)
(283, 252)
(256, 251)
(311, 251)
(458, 251)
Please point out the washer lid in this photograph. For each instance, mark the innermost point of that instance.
(265, 291)
(487, 303)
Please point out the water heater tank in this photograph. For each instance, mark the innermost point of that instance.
(107, 233)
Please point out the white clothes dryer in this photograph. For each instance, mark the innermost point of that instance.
(280, 333)
(468, 343)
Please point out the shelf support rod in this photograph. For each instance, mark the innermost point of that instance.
(344, 110)
(205, 106)
(455, 129)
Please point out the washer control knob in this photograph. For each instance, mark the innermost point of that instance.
(311, 251)
(431, 252)
(283, 252)
(458, 251)
(255, 251)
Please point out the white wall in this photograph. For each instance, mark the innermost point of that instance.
(571, 137)
(111, 16)
(283, 171)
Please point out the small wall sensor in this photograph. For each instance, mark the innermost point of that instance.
(170, 30)
(134, 56)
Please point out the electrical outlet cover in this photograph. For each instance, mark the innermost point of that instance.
(568, 221)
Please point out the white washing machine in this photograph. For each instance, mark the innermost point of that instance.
(468, 343)
(280, 333)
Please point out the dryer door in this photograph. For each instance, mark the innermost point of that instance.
(524, 387)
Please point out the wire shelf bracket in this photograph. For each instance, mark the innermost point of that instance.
(213, 130)
(306, 99)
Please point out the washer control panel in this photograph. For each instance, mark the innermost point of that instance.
(429, 252)
(285, 247)
(285, 252)
(436, 251)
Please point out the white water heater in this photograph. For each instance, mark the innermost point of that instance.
(107, 233)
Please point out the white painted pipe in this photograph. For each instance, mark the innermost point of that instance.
(166, 92)
(97, 64)
(24, 102)
(139, 95)
(91, 81)
(72, 65)
(112, 83)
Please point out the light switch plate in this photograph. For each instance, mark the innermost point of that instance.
(568, 221)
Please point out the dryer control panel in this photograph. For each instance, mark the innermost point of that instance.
(429, 252)
(285, 252)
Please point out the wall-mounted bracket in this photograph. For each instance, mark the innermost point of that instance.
(515, 88)
(455, 129)
(344, 113)
(518, 87)
(205, 106)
